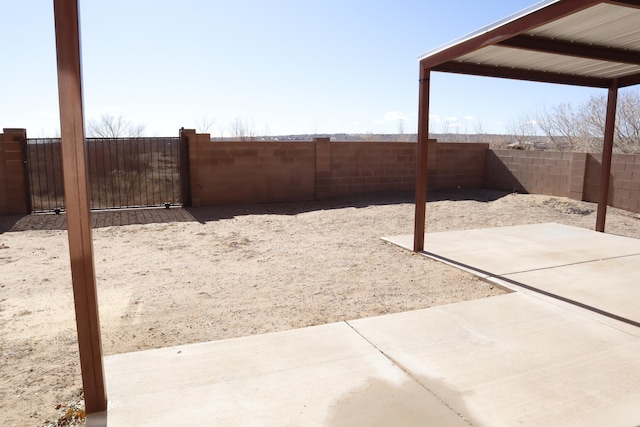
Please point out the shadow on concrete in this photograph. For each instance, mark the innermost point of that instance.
(119, 217)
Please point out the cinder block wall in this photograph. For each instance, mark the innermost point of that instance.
(359, 167)
(624, 188)
(255, 172)
(540, 172)
(13, 187)
(574, 175)
(453, 165)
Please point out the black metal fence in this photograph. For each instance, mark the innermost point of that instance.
(44, 170)
(123, 173)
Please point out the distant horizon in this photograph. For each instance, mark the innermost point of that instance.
(295, 135)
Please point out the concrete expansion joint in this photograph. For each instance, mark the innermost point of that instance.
(410, 374)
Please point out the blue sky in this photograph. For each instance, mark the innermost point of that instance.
(287, 66)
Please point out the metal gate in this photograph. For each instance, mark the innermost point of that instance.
(123, 173)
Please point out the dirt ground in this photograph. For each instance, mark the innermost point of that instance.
(177, 276)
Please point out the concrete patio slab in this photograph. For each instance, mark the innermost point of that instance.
(595, 270)
(325, 375)
(610, 285)
(516, 360)
(508, 250)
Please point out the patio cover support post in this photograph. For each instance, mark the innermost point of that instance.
(607, 150)
(422, 159)
(74, 166)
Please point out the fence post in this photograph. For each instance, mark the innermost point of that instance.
(185, 171)
(25, 171)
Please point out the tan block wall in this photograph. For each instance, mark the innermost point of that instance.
(260, 172)
(540, 172)
(453, 165)
(255, 172)
(13, 190)
(574, 175)
(624, 186)
(360, 167)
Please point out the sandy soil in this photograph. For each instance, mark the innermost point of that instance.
(169, 277)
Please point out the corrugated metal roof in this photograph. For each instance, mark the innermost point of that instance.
(604, 25)
(540, 61)
(569, 41)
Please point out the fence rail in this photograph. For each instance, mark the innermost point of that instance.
(123, 173)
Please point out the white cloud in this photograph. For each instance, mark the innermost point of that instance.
(470, 118)
(394, 116)
(46, 114)
(113, 110)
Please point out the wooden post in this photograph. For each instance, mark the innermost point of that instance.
(607, 150)
(422, 160)
(74, 167)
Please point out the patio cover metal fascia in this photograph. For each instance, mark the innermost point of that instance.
(592, 43)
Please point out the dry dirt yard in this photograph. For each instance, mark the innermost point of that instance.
(169, 277)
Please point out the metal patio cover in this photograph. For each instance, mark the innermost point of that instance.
(592, 43)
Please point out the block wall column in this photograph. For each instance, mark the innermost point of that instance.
(14, 194)
(191, 153)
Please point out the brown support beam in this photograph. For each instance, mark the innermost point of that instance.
(74, 165)
(520, 74)
(422, 160)
(630, 80)
(574, 49)
(625, 3)
(607, 150)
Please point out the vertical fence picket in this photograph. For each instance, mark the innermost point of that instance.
(138, 165)
(151, 168)
(165, 180)
(93, 176)
(47, 160)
